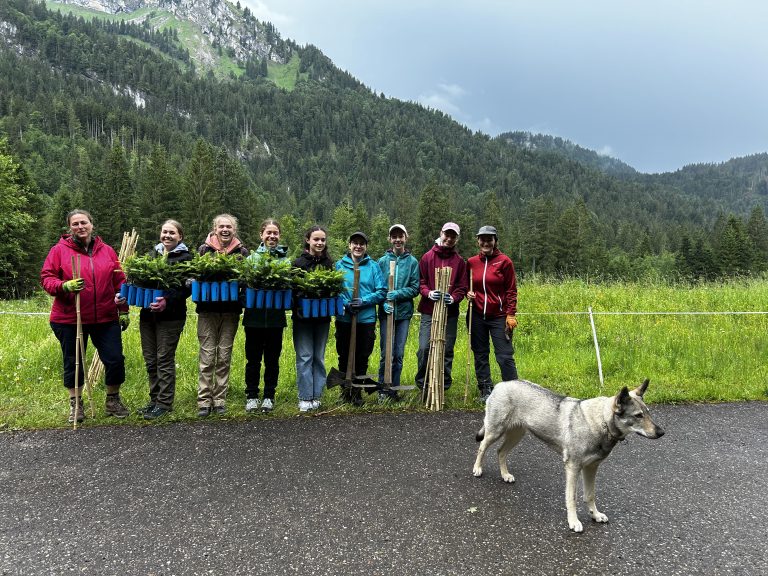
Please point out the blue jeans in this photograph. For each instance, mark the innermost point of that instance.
(425, 327)
(398, 348)
(309, 341)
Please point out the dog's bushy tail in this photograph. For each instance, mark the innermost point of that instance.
(480, 434)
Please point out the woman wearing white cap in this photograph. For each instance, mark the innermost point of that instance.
(399, 302)
(494, 301)
(442, 254)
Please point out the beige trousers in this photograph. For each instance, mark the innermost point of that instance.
(216, 335)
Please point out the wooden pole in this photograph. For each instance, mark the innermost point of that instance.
(390, 330)
(435, 377)
(471, 304)
(353, 330)
(127, 249)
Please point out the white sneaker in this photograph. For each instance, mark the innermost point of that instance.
(305, 405)
(315, 404)
(252, 404)
(267, 405)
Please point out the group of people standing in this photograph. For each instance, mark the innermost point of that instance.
(370, 296)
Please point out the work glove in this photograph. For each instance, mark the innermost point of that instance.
(448, 299)
(124, 321)
(391, 295)
(356, 303)
(435, 295)
(74, 285)
(388, 308)
(159, 304)
(351, 309)
(511, 322)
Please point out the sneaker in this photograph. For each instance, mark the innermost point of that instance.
(220, 410)
(156, 412)
(144, 409)
(80, 412)
(115, 407)
(267, 405)
(204, 412)
(315, 404)
(305, 405)
(252, 404)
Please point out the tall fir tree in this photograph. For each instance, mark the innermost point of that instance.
(200, 199)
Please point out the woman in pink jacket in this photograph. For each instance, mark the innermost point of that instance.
(102, 320)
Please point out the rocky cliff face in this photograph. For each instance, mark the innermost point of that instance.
(220, 24)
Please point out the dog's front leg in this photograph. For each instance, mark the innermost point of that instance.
(571, 484)
(588, 475)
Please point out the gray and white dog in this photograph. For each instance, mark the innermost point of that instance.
(583, 432)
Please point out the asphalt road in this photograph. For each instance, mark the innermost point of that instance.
(379, 494)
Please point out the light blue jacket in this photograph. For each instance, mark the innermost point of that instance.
(372, 288)
(406, 282)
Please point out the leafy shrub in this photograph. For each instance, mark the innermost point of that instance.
(154, 272)
(215, 267)
(319, 283)
(267, 273)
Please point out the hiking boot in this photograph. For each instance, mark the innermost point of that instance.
(204, 411)
(267, 405)
(115, 407)
(148, 408)
(220, 410)
(485, 392)
(156, 412)
(252, 404)
(305, 405)
(80, 412)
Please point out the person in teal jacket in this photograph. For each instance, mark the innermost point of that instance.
(264, 330)
(399, 303)
(372, 291)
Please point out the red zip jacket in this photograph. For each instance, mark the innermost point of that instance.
(101, 272)
(494, 284)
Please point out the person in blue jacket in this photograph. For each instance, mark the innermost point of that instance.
(399, 303)
(372, 291)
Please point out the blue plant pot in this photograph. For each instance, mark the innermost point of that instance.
(315, 308)
(269, 298)
(205, 291)
(287, 297)
(131, 295)
(323, 307)
(215, 288)
(259, 298)
(124, 291)
(278, 303)
(306, 307)
(250, 297)
(195, 291)
(233, 288)
(157, 294)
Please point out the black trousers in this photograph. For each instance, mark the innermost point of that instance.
(266, 343)
(107, 339)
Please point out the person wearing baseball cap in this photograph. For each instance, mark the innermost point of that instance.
(372, 289)
(442, 254)
(399, 303)
(493, 297)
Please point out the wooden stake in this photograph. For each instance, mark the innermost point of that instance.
(469, 337)
(435, 378)
(390, 330)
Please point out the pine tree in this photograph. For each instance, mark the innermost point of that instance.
(200, 199)
(434, 211)
(757, 229)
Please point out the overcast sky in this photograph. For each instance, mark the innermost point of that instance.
(656, 83)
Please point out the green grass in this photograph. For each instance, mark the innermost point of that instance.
(643, 331)
(286, 75)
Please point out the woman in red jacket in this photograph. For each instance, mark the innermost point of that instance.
(494, 304)
(102, 320)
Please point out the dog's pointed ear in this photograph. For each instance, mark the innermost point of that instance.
(640, 390)
(620, 401)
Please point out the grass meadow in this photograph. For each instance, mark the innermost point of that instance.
(696, 343)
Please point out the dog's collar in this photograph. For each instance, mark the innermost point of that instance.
(613, 430)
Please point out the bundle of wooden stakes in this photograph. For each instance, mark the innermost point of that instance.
(127, 249)
(435, 377)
